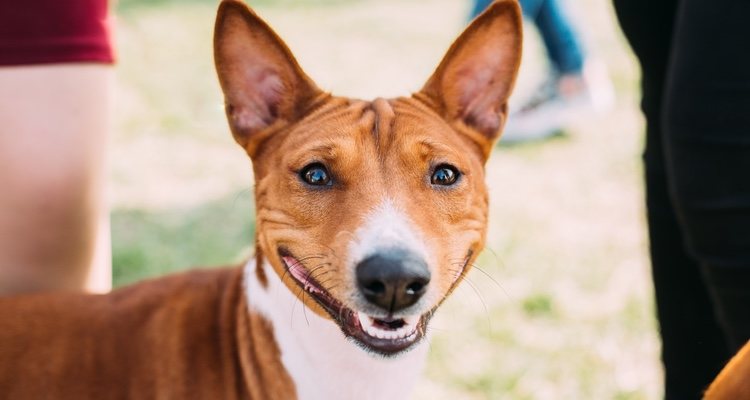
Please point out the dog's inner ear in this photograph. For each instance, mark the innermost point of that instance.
(262, 83)
(472, 84)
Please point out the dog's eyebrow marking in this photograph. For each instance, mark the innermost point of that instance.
(329, 149)
(324, 148)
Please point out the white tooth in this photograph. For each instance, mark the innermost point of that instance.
(411, 320)
(402, 332)
(364, 321)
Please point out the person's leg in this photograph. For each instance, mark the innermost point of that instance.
(573, 89)
(54, 121)
(693, 347)
(707, 128)
(560, 39)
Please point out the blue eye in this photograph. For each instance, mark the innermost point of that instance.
(444, 175)
(315, 174)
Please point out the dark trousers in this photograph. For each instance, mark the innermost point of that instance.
(695, 61)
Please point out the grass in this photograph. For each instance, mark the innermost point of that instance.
(156, 242)
(567, 312)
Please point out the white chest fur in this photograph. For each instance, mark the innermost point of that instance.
(323, 364)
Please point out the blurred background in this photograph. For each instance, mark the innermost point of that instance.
(562, 308)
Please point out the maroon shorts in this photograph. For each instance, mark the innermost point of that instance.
(54, 31)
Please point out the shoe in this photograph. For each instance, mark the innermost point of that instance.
(557, 102)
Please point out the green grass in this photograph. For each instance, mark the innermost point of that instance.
(156, 242)
(568, 310)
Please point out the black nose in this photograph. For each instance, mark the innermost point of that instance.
(393, 279)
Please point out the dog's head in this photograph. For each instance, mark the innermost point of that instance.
(371, 212)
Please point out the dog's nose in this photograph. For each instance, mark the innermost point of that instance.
(393, 279)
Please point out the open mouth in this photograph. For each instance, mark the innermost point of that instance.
(383, 335)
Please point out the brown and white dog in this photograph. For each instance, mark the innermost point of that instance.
(369, 213)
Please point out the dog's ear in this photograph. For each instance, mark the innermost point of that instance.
(471, 86)
(264, 87)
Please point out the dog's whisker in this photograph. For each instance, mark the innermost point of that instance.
(304, 308)
(327, 280)
(320, 274)
(310, 257)
(310, 272)
(331, 288)
(481, 299)
(239, 195)
(488, 275)
(493, 280)
(332, 252)
(498, 259)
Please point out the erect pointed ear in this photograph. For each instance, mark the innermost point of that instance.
(263, 85)
(471, 86)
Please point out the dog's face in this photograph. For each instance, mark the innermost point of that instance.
(370, 212)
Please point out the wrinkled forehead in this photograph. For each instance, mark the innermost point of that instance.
(346, 129)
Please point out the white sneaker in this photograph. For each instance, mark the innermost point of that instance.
(558, 102)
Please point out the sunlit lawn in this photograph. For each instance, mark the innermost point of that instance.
(563, 309)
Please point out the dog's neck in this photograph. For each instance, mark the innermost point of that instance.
(322, 363)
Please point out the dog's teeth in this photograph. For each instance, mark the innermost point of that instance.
(407, 331)
(402, 332)
(365, 321)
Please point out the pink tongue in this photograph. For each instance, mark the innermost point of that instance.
(296, 269)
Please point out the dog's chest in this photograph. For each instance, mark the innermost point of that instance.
(323, 364)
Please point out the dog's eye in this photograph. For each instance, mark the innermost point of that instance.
(444, 175)
(315, 174)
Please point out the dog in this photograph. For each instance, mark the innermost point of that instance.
(733, 382)
(369, 214)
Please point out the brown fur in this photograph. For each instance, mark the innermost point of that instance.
(180, 337)
(192, 335)
(733, 382)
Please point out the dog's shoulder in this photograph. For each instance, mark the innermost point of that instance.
(187, 298)
(153, 326)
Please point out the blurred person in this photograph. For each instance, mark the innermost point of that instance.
(695, 68)
(55, 92)
(575, 84)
